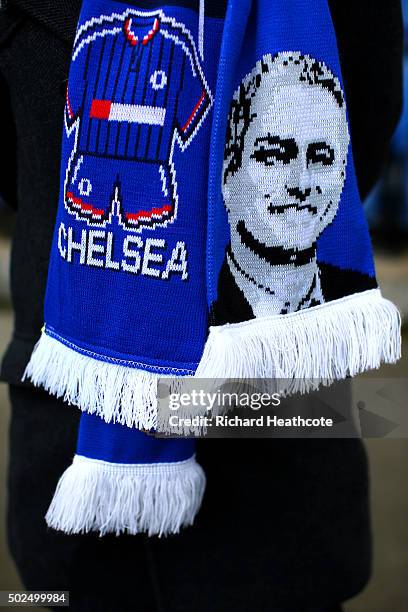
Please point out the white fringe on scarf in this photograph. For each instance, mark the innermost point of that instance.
(302, 350)
(157, 499)
(114, 392)
(289, 354)
(310, 347)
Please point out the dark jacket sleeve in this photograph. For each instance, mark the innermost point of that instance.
(8, 166)
(370, 41)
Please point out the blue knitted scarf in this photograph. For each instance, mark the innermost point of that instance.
(209, 225)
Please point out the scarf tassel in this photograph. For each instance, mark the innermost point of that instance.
(303, 350)
(116, 393)
(308, 348)
(158, 499)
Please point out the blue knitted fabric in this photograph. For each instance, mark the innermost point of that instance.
(209, 225)
(132, 218)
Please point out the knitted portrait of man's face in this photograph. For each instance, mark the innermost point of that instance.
(286, 153)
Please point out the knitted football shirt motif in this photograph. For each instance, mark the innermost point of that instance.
(206, 176)
(127, 119)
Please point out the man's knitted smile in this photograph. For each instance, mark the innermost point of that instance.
(282, 208)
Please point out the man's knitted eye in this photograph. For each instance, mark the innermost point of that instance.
(271, 149)
(320, 153)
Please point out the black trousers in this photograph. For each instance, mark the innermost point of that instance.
(284, 526)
